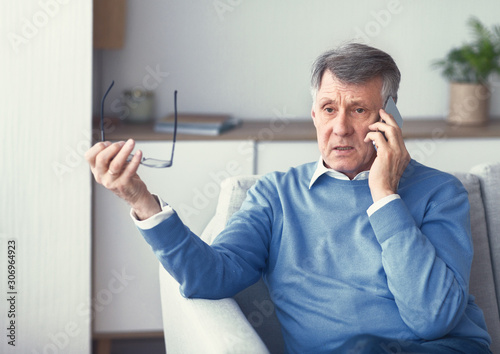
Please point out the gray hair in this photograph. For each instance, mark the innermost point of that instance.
(356, 63)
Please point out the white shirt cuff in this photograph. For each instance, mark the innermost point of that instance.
(381, 202)
(149, 223)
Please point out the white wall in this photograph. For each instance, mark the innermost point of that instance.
(251, 58)
(45, 191)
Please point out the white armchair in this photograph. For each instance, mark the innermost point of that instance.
(248, 324)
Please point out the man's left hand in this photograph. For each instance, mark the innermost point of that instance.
(392, 157)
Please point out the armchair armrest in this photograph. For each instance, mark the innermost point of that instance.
(208, 326)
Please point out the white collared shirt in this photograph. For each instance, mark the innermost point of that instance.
(322, 169)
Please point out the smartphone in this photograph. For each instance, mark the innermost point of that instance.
(390, 107)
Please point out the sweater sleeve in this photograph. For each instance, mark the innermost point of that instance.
(427, 262)
(233, 262)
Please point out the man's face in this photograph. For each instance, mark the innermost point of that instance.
(341, 114)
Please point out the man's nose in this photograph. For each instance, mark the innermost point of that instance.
(342, 125)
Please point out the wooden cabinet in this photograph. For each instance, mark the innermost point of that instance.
(454, 155)
(109, 24)
(280, 156)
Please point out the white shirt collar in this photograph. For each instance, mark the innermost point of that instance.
(321, 170)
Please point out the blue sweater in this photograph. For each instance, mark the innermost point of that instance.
(332, 271)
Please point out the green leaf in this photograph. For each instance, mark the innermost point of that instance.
(474, 61)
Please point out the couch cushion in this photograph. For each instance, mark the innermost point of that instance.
(482, 284)
(233, 192)
(489, 176)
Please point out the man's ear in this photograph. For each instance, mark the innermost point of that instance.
(313, 115)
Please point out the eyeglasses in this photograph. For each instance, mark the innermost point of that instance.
(148, 162)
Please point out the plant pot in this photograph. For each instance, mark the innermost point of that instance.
(469, 104)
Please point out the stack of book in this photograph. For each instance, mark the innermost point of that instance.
(197, 124)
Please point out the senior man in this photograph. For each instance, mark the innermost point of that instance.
(362, 250)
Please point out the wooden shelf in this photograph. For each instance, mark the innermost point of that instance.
(127, 335)
(438, 128)
(104, 340)
(301, 130)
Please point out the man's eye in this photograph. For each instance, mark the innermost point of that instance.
(360, 110)
(329, 110)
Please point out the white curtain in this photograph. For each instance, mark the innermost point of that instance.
(45, 201)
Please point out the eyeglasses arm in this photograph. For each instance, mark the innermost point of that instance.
(102, 109)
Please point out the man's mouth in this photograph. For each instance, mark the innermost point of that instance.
(343, 148)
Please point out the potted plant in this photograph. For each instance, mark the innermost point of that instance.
(468, 69)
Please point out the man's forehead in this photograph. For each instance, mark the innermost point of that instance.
(331, 88)
(343, 98)
(329, 78)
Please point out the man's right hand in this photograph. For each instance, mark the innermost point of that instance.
(108, 163)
